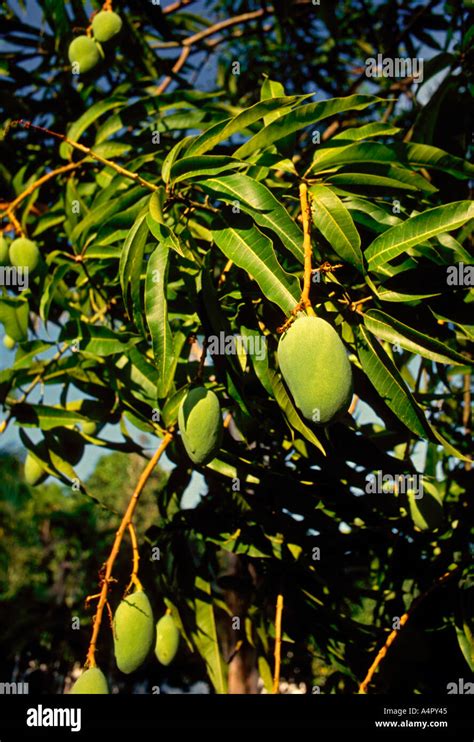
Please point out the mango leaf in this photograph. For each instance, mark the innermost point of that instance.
(292, 415)
(193, 167)
(172, 156)
(14, 317)
(241, 241)
(301, 117)
(387, 380)
(156, 309)
(97, 339)
(88, 118)
(257, 200)
(51, 284)
(131, 263)
(372, 181)
(260, 365)
(375, 129)
(417, 229)
(45, 417)
(225, 129)
(334, 221)
(421, 155)
(389, 383)
(205, 636)
(386, 327)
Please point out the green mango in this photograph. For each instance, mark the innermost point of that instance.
(84, 52)
(106, 25)
(9, 342)
(24, 253)
(200, 424)
(91, 681)
(89, 428)
(315, 367)
(167, 639)
(34, 472)
(3, 251)
(134, 631)
(427, 511)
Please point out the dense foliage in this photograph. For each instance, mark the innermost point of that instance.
(179, 220)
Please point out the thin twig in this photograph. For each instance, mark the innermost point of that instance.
(107, 577)
(89, 152)
(188, 43)
(277, 653)
(403, 620)
(9, 208)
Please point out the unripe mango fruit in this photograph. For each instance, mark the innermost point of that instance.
(315, 367)
(200, 424)
(134, 631)
(92, 680)
(34, 472)
(84, 52)
(106, 25)
(3, 250)
(24, 253)
(426, 511)
(89, 427)
(9, 342)
(167, 639)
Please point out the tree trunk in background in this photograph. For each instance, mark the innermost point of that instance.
(238, 586)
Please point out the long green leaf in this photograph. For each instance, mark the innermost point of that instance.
(88, 118)
(303, 116)
(156, 309)
(386, 327)
(417, 229)
(257, 200)
(291, 414)
(205, 636)
(410, 154)
(389, 383)
(45, 417)
(241, 241)
(387, 380)
(334, 221)
(225, 129)
(131, 263)
(98, 340)
(194, 167)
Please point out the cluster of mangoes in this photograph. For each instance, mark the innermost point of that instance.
(315, 367)
(134, 633)
(20, 253)
(85, 51)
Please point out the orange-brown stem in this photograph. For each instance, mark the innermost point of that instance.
(126, 520)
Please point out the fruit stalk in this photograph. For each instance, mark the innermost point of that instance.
(308, 250)
(277, 652)
(136, 559)
(126, 520)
